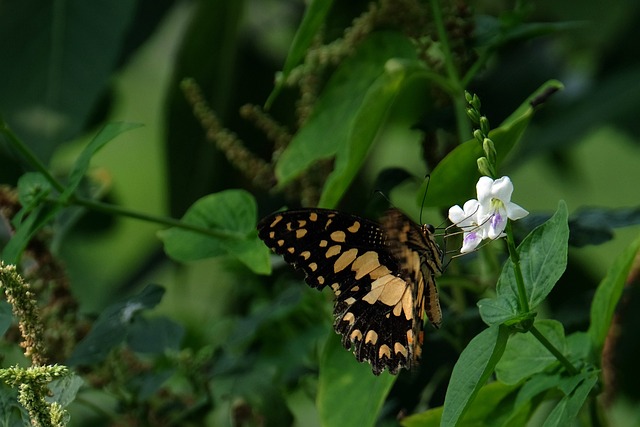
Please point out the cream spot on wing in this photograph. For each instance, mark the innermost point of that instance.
(280, 242)
(356, 288)
(272, 234)
(372, 337)
(407, 305)
(333, 250)
(379, 272)
(291, 250)
(301, 232)
(336, 289)
(313, 216)
(393, 292)
(399, 348)
(320, 280)
(349, 317)
(410, 337)
(305, 255)
(338, 236)
(365, 264)
(377, 287)
(384, 351)
(289, 227)
(350, 300)
(356, 335)
(327, 224)
(323, 243)
(276, 220)
(313, 266)
(345, 259)
(301, 223)
(355, 227)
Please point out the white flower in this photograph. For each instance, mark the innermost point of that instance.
(486, 217)
(496, 205)
(466, 218)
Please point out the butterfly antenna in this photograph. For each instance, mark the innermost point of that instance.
(381, 194)
(424, 196)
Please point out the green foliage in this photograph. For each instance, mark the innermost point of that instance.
(380, 101)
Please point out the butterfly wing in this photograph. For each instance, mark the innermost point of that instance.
(376, 306)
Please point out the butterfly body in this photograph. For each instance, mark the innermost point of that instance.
(382, 275)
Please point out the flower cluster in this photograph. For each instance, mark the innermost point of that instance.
(486, 217)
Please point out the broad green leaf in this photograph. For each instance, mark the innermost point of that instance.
(113, 326)
(537, 384)
(313, 20)
(154, 335)
(525, 356)
(348, 393)
(57, 63)
(335, 114)
(367, 121)
(231, 217)
(608, 293)
(475, 365)
(579, 345)
(487, 404)
(568, 407)
(543, 259)
(64, 389)
(12, 413)
(105, 135)
(453, 180)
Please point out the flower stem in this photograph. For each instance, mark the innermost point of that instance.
(553, 350)
(515, 258)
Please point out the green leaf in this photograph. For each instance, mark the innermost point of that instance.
(537, 384)
(348, 393)
(153, 336)
(65, 389)
(312, 22)
(81, 165)
(367, 122)
(543, 259)
(339, 105)
(33, 188)
(608, 294)
(568, 407)
(232, 215)
(36, 219)
(57, 63)
(113, 326)
(453, 180)
(525, 355)
(475, 365)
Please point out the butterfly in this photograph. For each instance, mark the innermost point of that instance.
(382, 274)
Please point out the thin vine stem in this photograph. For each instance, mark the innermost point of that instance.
(553, 350)
(523, 301)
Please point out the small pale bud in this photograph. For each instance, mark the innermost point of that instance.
(473, 115)
(484, 125)
(485, 168)
(477, 134)
(489, 150)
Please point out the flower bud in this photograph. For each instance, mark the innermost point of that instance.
(484, 125)
(489, 150)
(477, 134)
(485, 167)
(473, 115)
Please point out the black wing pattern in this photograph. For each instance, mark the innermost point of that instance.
(382, 275)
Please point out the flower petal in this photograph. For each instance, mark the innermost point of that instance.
(483, 189)
(456, 214)
(515, 212)
(502, 189)
(470, 241)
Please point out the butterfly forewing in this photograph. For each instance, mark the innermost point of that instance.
(376, 271)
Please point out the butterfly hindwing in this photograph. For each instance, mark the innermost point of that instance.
(377, 279)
